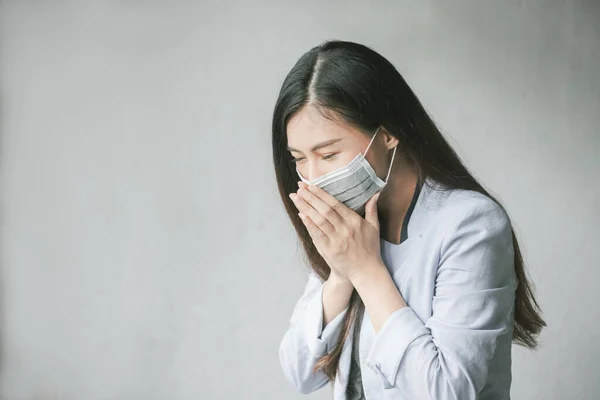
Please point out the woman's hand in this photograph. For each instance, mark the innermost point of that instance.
(347, 242)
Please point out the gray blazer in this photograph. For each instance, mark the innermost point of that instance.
(453, 341)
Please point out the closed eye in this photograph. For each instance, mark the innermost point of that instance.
(327, 157)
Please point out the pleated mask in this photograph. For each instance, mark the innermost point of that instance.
(354, 183)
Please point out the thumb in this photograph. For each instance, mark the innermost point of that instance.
(371, 211)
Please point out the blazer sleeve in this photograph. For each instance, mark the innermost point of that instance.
(305, 340)
(447, 356)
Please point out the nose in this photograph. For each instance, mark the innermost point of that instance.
(311, 171)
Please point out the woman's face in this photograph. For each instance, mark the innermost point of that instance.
(320, 145)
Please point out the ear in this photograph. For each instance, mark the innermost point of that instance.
(389, 140)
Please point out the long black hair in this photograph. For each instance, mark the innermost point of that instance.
(353, 82)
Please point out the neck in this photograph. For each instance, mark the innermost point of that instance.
(395, 200)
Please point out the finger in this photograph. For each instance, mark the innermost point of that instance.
(322, 207)
(344, 211)
(318, 219)
(371, 211)
(317, 235)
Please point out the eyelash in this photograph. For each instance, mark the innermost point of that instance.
(327, 157)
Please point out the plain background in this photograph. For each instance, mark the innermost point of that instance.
(145, 251)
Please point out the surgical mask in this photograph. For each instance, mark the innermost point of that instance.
(354, 183)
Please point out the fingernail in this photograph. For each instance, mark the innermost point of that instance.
(299, 183)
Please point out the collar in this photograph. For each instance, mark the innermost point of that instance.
(409, 211)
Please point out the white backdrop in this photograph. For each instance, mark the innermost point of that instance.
(145, 252)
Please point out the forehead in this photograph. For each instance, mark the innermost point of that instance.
(308, 127)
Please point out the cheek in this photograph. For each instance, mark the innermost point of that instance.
(342, 159)
(302, 169)
(312, 169)
(382, 164)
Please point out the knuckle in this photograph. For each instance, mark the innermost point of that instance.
(336, 206)
(308, 195)
(351, 233)
(342, 246)
(329, 212)
(336, 246)
(344, 233)
(320, 221)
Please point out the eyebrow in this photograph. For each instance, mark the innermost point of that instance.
(318, 146)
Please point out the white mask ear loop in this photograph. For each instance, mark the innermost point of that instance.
(373, 138)
(391, 163)
(393, 154)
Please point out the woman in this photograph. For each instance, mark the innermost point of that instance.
(417, 286)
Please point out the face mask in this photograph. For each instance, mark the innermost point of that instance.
(353, 184)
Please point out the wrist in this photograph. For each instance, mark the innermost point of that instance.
(339, 283)
(364, 276)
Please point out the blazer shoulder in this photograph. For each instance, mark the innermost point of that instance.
(466, 207)
(478, 232)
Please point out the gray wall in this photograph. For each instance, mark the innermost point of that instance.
(145, 252)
